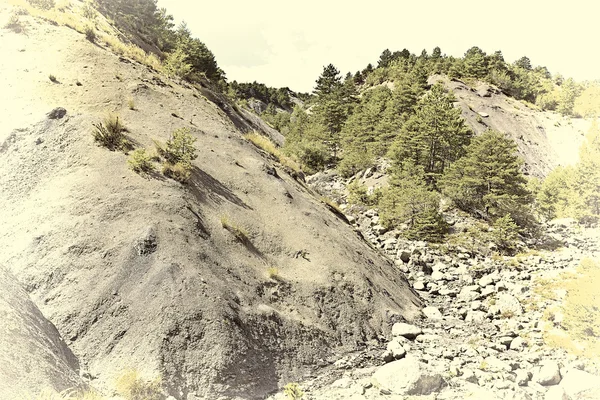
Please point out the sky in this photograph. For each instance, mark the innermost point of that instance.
(285, 43)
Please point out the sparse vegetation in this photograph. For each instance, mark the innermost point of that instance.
(90, 34)
(132, 386)
(15, 24)
(109, 133)
(273, 273)
(140, 161)
(42, 4)
(178, 154)
(239, 232)
(131, 104)
(293, 391)
(178, 171)
(264, 143)
(89, 12)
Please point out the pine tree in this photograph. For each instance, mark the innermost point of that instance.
(408, 201)
(488, 179)
(329, 82)
(434, 137)
(475, 63)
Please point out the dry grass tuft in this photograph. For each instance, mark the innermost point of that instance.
(264, 143)
(239, 232)
(132, 386)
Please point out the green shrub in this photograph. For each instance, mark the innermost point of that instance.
(176, 65)
(140, 161)
(109, 133)
(180, 148)
(358, 195)
(505, 233)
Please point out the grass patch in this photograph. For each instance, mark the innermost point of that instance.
(292, 391)
(132, 386)
(264, 143)
(273, 273)
(109, 133)
(239, 232)
(179, 172)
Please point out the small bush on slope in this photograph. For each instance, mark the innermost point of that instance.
(109, 133)
(14, 24)
(178, 153)
(140, 161)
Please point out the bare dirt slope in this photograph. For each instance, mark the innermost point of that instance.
(544, 139)
(33, 356)
(138, 272)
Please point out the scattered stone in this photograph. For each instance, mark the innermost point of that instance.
(419, 285)
(517, 343)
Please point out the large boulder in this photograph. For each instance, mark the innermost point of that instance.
(407, 330)
(548, 374)
(408, 377)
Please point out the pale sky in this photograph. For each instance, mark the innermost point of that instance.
(287, 43)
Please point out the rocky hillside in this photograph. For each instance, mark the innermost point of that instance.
(232, 285)
(544, 139)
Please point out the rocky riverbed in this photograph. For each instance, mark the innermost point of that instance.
(482, 332)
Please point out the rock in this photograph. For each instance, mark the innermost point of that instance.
(57, 113)
(408, 377)
(556, 393)
(270, 170)
(548, 374)
(404, 256)
(517, 343)
(486, 291)
(432, 313)
(505, 340)
(437, 275)
(396, 350)
(475, 316)
(508, 305)
(147, 242)
(419, 285)
(485, 280)
(469, 376)
(476, 305)
(406, 330)
(523, 377)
